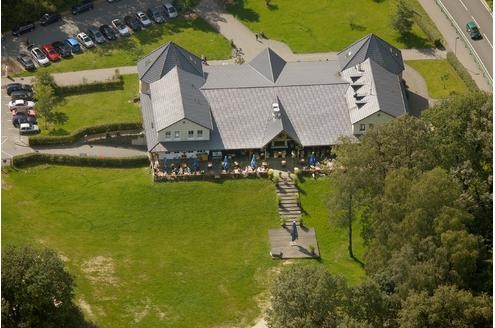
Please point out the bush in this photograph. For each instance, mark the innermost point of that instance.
(297, 171)
(270, 173)
(79, 133)
(462, 72)
(31, 159)
(115, 84)
(276, 179)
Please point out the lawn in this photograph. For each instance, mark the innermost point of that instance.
(165, 255)
(441, 78)
(196, 36)
(332, 239)
(94, 108)
(325, 25)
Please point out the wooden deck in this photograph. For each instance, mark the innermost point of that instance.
(281, 248)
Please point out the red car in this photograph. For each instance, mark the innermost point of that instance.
(50, 52)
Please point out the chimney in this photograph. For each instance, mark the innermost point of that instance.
(276, 110)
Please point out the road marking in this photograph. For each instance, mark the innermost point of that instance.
(462, 3)
(4, 139)
(474, 19)
(486, 38)
(486, 6)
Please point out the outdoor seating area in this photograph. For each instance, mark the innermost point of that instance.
(238, 165)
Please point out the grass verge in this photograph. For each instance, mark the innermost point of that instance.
(196, 36)
(86, 109)
(325, 25)
(440, 77)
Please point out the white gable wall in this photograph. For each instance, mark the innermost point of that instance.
(374, 119)
(183, 127)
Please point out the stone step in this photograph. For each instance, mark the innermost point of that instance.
(286, 186)
(289, 213)
(289, 206)
(287, 191)
(288, 203)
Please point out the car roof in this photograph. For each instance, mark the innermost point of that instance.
(71, 40)
(471, 24)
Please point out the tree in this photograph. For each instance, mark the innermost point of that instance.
(306, 297)
(45, 101)
(448, 307)
(36, 289)
(402, 21)
(44, 78)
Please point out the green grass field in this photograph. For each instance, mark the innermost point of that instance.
(196, 36)
(192, 254)
(94, 108)
(332, 239)
(440, 77)
(325, 25)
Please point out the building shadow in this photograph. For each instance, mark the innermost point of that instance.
(417, 103)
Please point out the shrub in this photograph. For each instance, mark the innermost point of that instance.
(462, 72)
(276, 179)
(31, 159)
(297, 171)
(115, 84)
(270, 173)
(79, 133)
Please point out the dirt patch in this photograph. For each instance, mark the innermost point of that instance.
(147, 308)
(99, 270)
(86, 308)
(6, 185)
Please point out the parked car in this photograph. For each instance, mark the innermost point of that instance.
(120, 27)
(11, 87)
(81, 7)
(108, 32)
(23, 111)
(133, 23)
(26, 62)
(21, 94)
(143, 19)
(50, 18)
(14, 104)
(22, 117)
(85, 40)
(473, 30)
(156, 14)
(74, 45)
(39, 56)
(96, 35)
(50, 52)
(23, 28)
(170, 10)
(62, 48)
(27, 128)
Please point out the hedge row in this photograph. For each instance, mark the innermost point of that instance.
(80, 133)
(31, 159)
(461, 71)
(425, 23)
(115, 84)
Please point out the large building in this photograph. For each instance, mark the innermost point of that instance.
(267, 104)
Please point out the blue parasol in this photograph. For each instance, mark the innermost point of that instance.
(196, 164)
(312, 159)
(225, 163)
(253, 161)
(165, 164)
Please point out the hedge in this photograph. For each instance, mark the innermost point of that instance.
(425, 23)
(80, 133)
(462, 72)
(31, 159)
(115, 84)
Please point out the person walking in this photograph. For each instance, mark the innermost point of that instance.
(293, 233)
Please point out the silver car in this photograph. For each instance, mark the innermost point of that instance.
(121, 28)
(143, 19)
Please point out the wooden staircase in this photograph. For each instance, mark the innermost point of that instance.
(288, 207)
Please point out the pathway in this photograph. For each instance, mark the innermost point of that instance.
(288, 206)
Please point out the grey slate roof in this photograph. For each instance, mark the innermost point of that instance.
(275, 126)
(389, 91)
(160, 61)
(176, 96)
(374, 48)
(268, 64)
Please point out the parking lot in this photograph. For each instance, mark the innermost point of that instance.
(103, 13)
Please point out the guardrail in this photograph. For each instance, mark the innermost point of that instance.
(486, 74)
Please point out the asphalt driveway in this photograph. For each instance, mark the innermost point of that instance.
(103, 13)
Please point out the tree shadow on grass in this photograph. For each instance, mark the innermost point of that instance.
(272, 6)
(412, 40)
(59, 118)
(246, 14)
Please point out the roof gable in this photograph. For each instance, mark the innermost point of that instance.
(268, 64)
(162, 60)
(375, 48)
(277, 124)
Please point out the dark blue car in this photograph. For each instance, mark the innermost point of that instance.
(73, 44)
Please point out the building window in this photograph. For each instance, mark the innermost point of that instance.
(168, 135)
(199, 133)
(362, 127)
(177, 134)
(190, 133)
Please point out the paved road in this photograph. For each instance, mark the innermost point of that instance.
(102, 13)
(464, 11)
